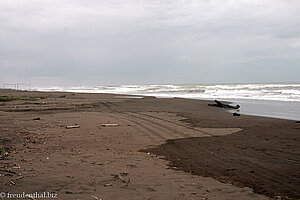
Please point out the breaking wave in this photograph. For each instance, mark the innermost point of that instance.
(277, 92)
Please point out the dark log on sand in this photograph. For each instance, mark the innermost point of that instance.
(222, 105)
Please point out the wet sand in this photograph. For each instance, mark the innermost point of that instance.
(209, 153)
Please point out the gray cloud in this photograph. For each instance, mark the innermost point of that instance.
(125, 42)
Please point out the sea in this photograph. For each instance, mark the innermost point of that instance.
(269, 100)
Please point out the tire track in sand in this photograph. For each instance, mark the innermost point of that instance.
(156, 137)
(155, 120)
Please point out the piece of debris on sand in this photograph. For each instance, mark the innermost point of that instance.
(73, 126)
(223, 105)
(109, 125)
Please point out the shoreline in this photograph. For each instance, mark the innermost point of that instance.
(89, 160)
(267, 108)
(257, 110)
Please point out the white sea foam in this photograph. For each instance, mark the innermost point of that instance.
(278, 92)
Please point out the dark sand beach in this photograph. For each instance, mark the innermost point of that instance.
(161, 149)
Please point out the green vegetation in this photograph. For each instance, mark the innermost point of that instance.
(3, 153)
(6, 99)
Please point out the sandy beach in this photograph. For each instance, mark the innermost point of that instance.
(157, 148)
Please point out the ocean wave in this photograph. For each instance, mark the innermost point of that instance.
(278, 92)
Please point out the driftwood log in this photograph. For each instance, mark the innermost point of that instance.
(223, 105)
(110, 125)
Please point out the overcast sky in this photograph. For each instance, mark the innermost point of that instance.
(108, 42)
